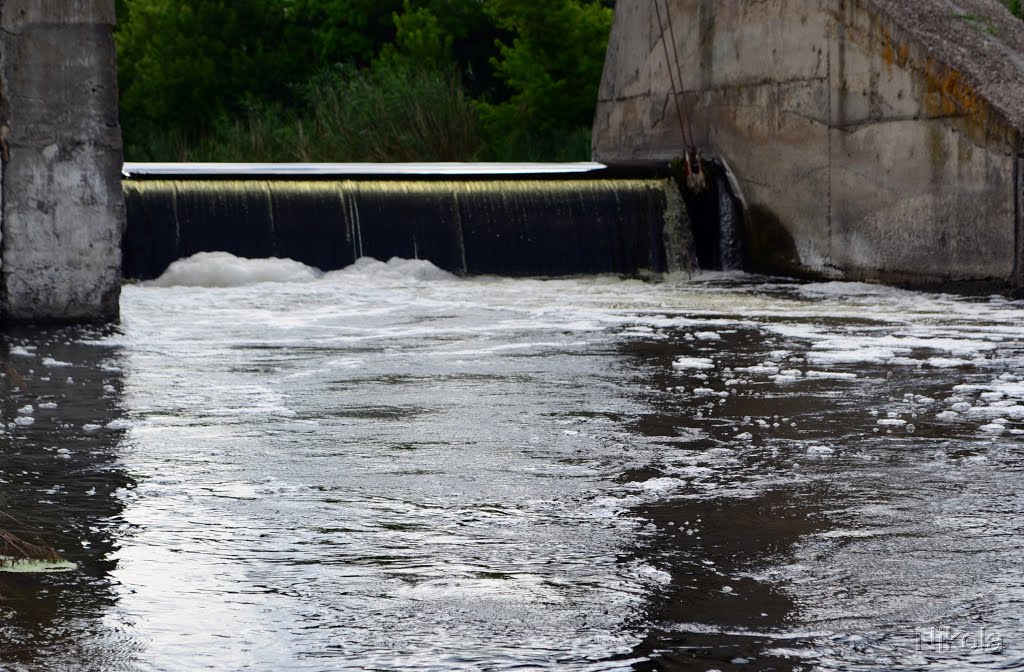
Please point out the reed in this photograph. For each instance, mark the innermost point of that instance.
(13, 376)
(18, 547)
(380, 114)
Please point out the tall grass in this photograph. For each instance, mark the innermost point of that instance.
(392, 114)
(386, 114)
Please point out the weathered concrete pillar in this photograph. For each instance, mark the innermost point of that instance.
(1019, 178)
(873, 139)
(63, 208)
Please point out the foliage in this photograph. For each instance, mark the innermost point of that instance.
(552, 64)
(248, 78)
(398, 113)
(182, 64)
(343, 31)
(1016, 7)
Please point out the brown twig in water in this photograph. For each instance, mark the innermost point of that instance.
(15, 547)
(14, 376)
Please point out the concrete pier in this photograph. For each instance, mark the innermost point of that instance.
(63, 208)
(871, 139)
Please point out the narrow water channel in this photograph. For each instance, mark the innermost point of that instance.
(391, 468)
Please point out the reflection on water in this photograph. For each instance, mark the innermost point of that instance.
(59, 472)
(390, 468)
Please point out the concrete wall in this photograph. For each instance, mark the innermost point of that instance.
(871, 140)
(63, 208)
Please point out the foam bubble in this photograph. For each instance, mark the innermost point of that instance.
(373, 271)
(220, 269)
(693, 363)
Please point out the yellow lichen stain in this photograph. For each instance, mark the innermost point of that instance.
(948, 93)
(889, 55)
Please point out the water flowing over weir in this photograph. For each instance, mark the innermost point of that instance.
(514, 220)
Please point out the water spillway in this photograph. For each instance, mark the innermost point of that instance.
(504, 219)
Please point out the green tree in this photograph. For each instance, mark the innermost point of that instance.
(552, 65)
(184, 63)
(198, 72)
(342, 31)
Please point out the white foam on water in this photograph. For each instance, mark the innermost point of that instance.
(694, 363)
(368, 269)
(760, 369)
(946, 362)
(852, 355)
(55, 363)
(220, 269)
(354, 349)
(830, 375)
(847, 290)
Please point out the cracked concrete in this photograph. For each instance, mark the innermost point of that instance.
(873, 139)
(63, 208)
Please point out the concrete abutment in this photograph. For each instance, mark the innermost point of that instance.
(63, 208)
(871, 140)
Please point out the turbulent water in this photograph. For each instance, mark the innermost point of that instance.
(388, 467)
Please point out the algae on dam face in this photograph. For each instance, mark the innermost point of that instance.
(533, 227)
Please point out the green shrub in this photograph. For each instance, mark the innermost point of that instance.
(396, 113)
(257, 80)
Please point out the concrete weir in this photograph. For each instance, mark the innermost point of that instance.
(60, 146)
(503, 219)
(871, 139)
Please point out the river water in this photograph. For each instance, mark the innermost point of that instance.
(388, 467)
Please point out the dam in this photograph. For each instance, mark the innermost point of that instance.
(469, 219)
(547, 434)
(859, 140)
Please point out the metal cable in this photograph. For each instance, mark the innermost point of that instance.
(671, 74)
(679, 70)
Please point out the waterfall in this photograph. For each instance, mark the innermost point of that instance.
(518, 226)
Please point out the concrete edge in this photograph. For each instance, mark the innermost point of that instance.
(1018, 181)
(134, 172)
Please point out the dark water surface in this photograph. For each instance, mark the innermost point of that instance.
(390, 468)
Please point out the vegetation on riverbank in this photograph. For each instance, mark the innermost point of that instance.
(360, 80)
